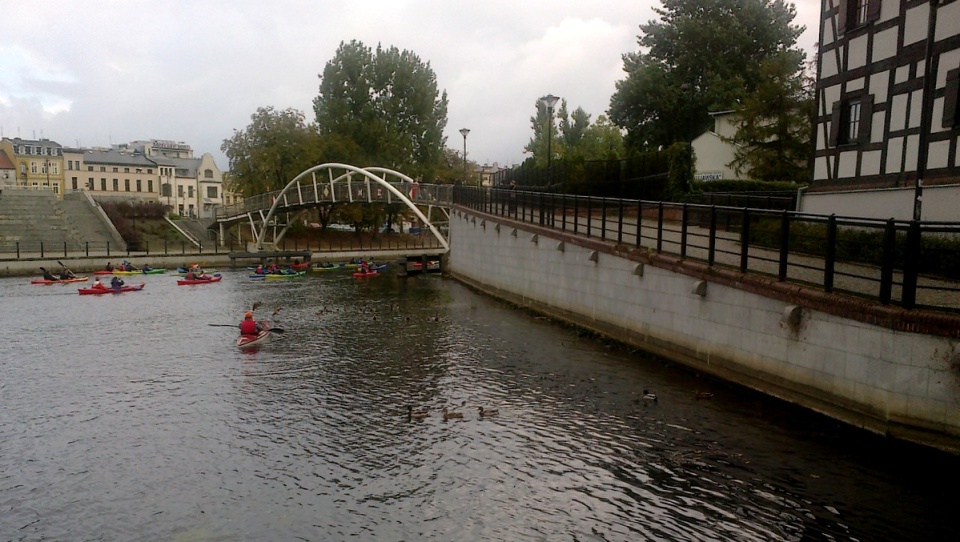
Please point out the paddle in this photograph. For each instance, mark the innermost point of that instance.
(272, 330)
(65, 267)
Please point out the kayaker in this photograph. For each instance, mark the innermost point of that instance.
(47, 275)
(109, 266)
(116, 283)
(67, 274)
(259, 269)
(146, 268)
(249, 326)
(98, 285)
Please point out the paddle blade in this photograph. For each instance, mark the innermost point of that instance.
(277, 330)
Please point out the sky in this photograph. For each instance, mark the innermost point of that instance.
(102, 72)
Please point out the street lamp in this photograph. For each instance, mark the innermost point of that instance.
(549, 101)
(464, 132)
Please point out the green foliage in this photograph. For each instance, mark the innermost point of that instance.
(276, 147)
(939, 256)
(386, 104)
(682, 164)
(713, 49)
(736, 185)
(575, 138)
(773, 137)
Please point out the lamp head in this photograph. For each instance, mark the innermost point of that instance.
(464, 132)
(550, 100)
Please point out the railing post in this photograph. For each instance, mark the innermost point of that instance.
(18, 250)
(563, 212)
(86, 248)
(712, 243)
(683, 231)
(589, 215)
(639, 220)
(540, 201)
(784, 245)
(660, 227)
(620, 222)
(911, 266)
(64, 249)
(887, 261)
(165, 251)
(108, 248)
(830, 257)
(576, 214)
(146, 245)
(41, 249)
(745, 240)
(603, 219)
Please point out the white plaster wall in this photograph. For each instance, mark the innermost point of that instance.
(857, 52)
(915, 24)
(940, 203)
(713, 154)
(885, 44)
(908, 376)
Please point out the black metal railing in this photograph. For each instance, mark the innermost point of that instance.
(907, 263)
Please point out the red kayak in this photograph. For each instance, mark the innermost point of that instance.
(245, 342)
(214, 278)
(108, 290)
(59, 281)
(360, 274)
(103, 272)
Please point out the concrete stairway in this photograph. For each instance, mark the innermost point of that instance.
(31, 217)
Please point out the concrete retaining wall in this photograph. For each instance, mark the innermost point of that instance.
(838, 356)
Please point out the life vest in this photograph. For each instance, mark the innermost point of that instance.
(248, 327)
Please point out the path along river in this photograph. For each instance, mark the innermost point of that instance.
(128, 417)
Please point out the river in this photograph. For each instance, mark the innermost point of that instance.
(128, 417)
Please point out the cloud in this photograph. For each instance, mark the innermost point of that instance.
(100, 71)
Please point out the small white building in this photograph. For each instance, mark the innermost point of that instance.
(714, 154)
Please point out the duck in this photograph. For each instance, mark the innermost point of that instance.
(487, 412)
(649, 397)
(703, 395)
(448, 415)
(416, 415)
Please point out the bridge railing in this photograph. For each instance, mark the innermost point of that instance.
(312, 193)
(908, 263)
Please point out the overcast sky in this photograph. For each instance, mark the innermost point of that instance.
(98, 72)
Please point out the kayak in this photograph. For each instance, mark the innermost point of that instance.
(183, 270)
(59, 281)
(274, 276)
(214, 278)
(300, 266)
(360, 274)
(251, 341)
(103, 272)
(335, 266)
(108, 290)
(141, 272)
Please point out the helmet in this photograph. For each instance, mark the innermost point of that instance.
(248, 315)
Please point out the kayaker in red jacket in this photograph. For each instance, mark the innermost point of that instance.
(249, 326)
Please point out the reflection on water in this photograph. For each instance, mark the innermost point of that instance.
(130, 418)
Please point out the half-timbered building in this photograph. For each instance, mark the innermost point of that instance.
(887, 125)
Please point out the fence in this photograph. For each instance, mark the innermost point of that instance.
(908, 263)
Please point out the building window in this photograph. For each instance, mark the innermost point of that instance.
(190, 192)
(74, 183)
(212, 192)
(33, 167)
(139, 185)
(179, 191)
(103, 184)
(126, 185)
(851, 121)
(857, 13)
(89, 168)
(149, 171)
(149, 185)
(90, 184)
(126, 170)
(103, 169)
(116, 185)
(208, 174)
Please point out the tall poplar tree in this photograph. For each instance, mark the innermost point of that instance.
(387, 103)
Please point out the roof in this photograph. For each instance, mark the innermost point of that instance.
(5, 162)
(115, 157)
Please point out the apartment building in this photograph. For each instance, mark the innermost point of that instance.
(37, 163)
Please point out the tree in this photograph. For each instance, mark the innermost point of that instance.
(386, 103)
(601, 140)
(276, 147)
(703, 55)
(773, 137)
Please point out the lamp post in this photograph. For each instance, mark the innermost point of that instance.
(464, 132)
(549, 101)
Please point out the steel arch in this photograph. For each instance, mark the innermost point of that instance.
(366, 172)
